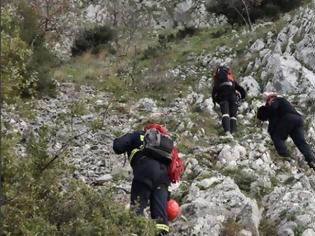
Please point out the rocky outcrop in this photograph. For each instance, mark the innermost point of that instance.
(133, 13)
(238, 180)
(284, 61)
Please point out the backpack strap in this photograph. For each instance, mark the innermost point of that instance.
(135, 150)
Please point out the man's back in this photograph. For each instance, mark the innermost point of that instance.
(280, 107)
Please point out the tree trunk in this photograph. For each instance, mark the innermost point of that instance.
(248, 16)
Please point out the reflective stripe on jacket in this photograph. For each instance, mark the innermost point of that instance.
(135, 150)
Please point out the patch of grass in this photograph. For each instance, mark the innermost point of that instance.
(117, 132)
(78, 109)
(203, 120)
(25, 109)
(133, 76)
(180, 194)
(241, 178)
(230, 228)
(289, 181)
(298, 230)
(186, 145)
(204, 41)
(260, 192)
(267, 227)
(82, 70)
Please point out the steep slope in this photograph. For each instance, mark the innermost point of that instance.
(230, 186)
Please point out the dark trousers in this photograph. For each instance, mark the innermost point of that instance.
(291, 125)
(142, 196)
(228, 108)
(150, 188)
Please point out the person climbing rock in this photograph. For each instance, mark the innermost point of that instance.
(285, 121)
(227, 93)
(150, 154)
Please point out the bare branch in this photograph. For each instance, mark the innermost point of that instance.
(67, 143)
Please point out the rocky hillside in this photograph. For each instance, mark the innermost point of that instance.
(230, 187)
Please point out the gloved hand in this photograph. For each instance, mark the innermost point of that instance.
(238, 98)
(214, 103)
(238, 95)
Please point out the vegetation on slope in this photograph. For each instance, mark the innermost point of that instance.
(50, 202)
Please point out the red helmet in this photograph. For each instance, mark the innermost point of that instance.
(269, 96)
(157, 126)
(172, 209)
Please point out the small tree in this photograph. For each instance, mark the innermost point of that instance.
(247, 11)
(17, 78)
(235, 10)
(129, 18)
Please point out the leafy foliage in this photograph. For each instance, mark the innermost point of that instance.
(16, 77)
(241, 178)
(230, 228)
(51, 203)
(90, 39)
(245, 11)
(267, 227)
(27, 62)
(42, 60)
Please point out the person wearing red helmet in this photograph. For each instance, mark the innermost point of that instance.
(149, 152)
(227, 93)
(285, 121)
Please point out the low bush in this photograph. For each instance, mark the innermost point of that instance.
(230, 228)
(16, 76)
(40, 201)
(90, 39)
(241, 178)
(241, 11)
(27, 64)
(267, 227)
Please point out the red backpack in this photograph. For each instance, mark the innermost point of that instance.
(176, 167)
(223, 75)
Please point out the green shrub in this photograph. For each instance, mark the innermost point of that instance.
(230, 228)
(187, 31)
(151, 52)
(241, 178)
(90, 39)
(17, 78)
(26, 57)
(267, 227)
(29, 25)
(50, 202)
(236, 11)
(43, 61)
(299, 229)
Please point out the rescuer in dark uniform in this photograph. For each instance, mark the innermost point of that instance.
(285, 121)
(227, 93)
(150, 170)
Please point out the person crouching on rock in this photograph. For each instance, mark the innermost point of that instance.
(149, 152)
(285, 121)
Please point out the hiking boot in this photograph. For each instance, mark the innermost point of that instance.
(228, 136)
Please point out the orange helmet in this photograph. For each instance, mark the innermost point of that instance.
(269, 96)
(172, 209)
